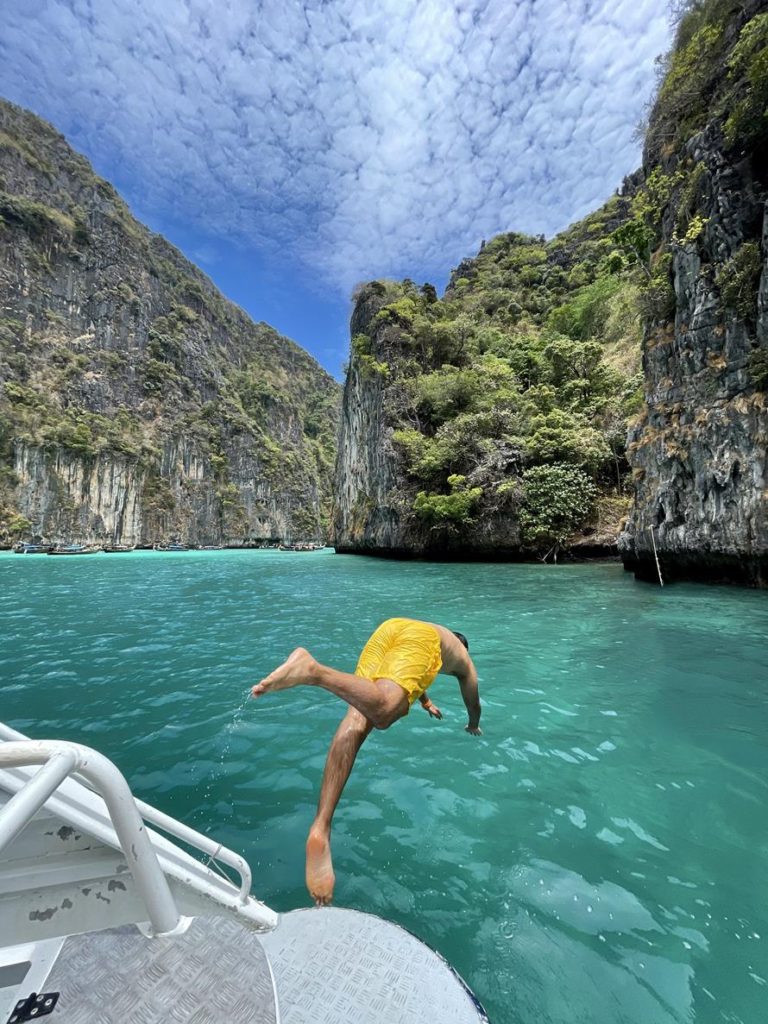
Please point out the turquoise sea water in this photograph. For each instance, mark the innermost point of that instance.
(599, 855)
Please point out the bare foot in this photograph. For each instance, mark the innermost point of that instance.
(299, 667)
(320, 876)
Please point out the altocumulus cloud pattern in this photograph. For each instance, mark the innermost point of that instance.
(359, 137)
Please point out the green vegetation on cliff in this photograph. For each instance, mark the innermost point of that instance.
(519, 381)
(706, 176)
(716, 71)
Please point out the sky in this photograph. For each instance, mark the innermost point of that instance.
(294, 149)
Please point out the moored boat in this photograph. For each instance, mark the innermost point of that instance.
(32, 549)
(118, 549)
(75, 549)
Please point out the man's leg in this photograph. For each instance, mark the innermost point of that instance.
(382, 702)
(349, 737)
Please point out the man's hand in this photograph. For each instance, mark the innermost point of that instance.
(474, 730)
(432, 709)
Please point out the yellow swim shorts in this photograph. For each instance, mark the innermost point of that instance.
(405, 651)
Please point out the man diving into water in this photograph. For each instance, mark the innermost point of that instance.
(398, 663)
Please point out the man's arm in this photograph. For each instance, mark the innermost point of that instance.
(471, 697)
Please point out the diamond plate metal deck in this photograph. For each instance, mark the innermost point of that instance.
(216, 972)
(331, 966)
(334, 966)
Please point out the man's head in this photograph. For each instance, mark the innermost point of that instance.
(461, 637)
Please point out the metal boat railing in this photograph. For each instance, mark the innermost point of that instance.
(61, 759)
(214, 851)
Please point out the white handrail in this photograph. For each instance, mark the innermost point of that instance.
(111, 785)
(201, 842)
(24, 804)
(205, 844)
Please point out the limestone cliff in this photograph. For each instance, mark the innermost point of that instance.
(699, 451)
(367, 512)
(494, 420)
(490, 422)
(373, 501)
(136, 403)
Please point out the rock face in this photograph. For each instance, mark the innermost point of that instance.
(373, 500)
(136, 404)
(367, 513)
(699, 452)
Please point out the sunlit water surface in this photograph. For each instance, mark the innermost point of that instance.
(599, 855)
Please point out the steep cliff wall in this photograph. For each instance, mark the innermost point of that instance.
(699, 451)
(136, 404)
(374, 497)
(368, 510)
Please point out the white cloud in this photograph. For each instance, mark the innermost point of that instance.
(362, 138)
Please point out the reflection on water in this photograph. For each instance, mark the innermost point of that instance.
(599, 854)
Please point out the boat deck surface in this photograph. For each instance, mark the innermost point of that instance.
(333, 965)
(330, 966)
(217, 971)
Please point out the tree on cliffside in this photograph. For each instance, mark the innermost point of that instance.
(558, 500)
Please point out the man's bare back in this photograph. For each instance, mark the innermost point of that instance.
(454, 654)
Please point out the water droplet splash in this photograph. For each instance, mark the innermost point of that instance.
(218, 771)
(231, 728)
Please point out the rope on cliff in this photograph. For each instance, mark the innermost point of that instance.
(658, 567)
